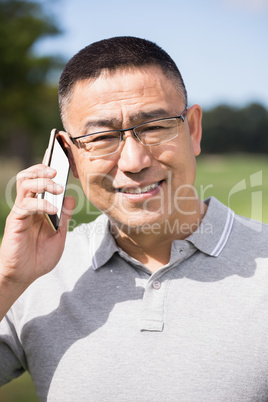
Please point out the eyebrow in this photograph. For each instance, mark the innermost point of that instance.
(138, 117)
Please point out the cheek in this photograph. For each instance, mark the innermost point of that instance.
(180, 161)
(95, 176)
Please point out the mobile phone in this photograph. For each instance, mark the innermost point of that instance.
(56, 158)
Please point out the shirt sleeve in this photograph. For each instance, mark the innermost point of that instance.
(12, 357)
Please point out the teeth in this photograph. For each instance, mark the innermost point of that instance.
(140, 190)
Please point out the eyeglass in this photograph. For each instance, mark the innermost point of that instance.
(151, 133)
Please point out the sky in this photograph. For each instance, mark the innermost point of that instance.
(220, 46)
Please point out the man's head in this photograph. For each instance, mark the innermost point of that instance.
(137, 184)
(108, 55)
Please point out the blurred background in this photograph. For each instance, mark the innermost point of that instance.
(220, 48)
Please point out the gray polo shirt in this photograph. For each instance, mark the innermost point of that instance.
(100, 327)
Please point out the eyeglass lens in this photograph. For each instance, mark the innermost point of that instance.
(149, 134)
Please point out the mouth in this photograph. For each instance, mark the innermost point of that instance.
(139, 190)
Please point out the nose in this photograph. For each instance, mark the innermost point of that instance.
(134, 156)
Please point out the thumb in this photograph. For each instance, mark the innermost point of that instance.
(67, 212)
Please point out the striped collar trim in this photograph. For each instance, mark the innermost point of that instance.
(210, 237)
(215, 229)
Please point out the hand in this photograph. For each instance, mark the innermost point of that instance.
(30, 248)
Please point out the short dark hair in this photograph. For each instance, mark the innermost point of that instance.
(111, 54)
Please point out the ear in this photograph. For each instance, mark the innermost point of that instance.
(68, 148)
(194, 117)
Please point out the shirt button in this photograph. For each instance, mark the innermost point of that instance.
(156, 285)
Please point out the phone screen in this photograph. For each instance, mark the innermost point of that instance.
(58, 160)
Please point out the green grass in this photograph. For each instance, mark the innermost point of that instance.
(217, 175)
(239, 181)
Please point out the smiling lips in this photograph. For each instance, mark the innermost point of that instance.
(139, 190)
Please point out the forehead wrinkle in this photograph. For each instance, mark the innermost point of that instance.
(140, 116)
(122, 102)
(102, 122)
(149, 115)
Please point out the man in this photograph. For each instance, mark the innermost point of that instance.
(164, 297)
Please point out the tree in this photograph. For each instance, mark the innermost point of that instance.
(28, 101)
(229, 129)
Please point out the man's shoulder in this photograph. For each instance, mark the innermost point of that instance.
(229, 232)
(241, 224)
(250, 227)
(74, 266)
(248, 239)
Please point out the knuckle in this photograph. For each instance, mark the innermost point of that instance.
(23, 205)
(20, 175)
(23, 184)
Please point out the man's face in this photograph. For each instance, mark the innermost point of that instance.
(163, 174)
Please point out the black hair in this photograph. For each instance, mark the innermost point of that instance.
(111, 54)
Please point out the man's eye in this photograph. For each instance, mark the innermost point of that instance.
(100, 138)
(149, 129)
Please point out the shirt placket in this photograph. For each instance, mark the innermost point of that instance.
(156, 291)
(153, 304)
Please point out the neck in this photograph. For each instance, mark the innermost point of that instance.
(153, 247)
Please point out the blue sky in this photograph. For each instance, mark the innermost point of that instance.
(220, 46)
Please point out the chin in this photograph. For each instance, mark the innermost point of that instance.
(145, 222)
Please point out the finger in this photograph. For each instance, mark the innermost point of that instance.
(67, 212)
(36, 171)
(29, 188)
(31, 206)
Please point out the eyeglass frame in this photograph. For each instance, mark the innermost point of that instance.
(182, 116)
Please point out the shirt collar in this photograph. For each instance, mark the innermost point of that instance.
(213, 233)
(210, 237)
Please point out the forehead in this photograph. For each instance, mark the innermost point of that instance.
(123, 93)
